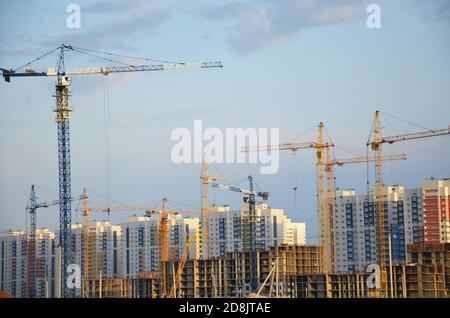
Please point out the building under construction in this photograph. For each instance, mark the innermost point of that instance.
(427, 274)
(296, 274)
(230, 276)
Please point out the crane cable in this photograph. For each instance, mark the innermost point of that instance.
(406, 121)
(127, 56)
(36, 59)
(90, 53)
(107, 128)
(295, 177)
(101, 57)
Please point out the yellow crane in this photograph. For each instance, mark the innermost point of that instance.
(325, 187)
(206, 179)
(376, 144)
(330, 191)
(178, 275)
(320, 147)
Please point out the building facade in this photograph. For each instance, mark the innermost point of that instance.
(355, 226)
(436, 200)
(141, 242)
(16, 275)
(100, 255)
(229, 230)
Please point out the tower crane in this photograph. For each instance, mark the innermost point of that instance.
(31, 209)
(206, 179)
(62, 119)
(376, 144)
(250, 221)
(325, 187)
(320, 146)
(163, 236)
(178, 275)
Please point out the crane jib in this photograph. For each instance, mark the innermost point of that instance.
(7, 74)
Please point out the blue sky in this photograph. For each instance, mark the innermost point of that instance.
(287, 64)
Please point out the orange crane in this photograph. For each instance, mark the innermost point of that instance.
(376, 144)
(206, 179)
(325, 187)
(163, 237)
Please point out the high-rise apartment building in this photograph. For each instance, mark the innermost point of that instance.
(15, 274)
(103, 249)
(355, 226)
(436, 209)
(141, 242)
(273, 228)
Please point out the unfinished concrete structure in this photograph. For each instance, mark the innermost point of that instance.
(230, 276)
(426, 275)
(109, 288)
(433, 268)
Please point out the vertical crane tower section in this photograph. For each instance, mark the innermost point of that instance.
(62, 111)
(31, 246)
(206, 179)
(322, 201)
(252, 223)
(377, 146)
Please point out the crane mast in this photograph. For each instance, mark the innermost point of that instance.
(252, 227)
(379, 201)
(322, 200)
(329, 173)
(31, 248)
(164, 247)
(86, 243)
(206, 179)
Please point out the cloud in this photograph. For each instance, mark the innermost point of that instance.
(266, 23)
(128, 20)
(443, 13)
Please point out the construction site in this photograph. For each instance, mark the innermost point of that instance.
(390, 241)
(296, 272)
